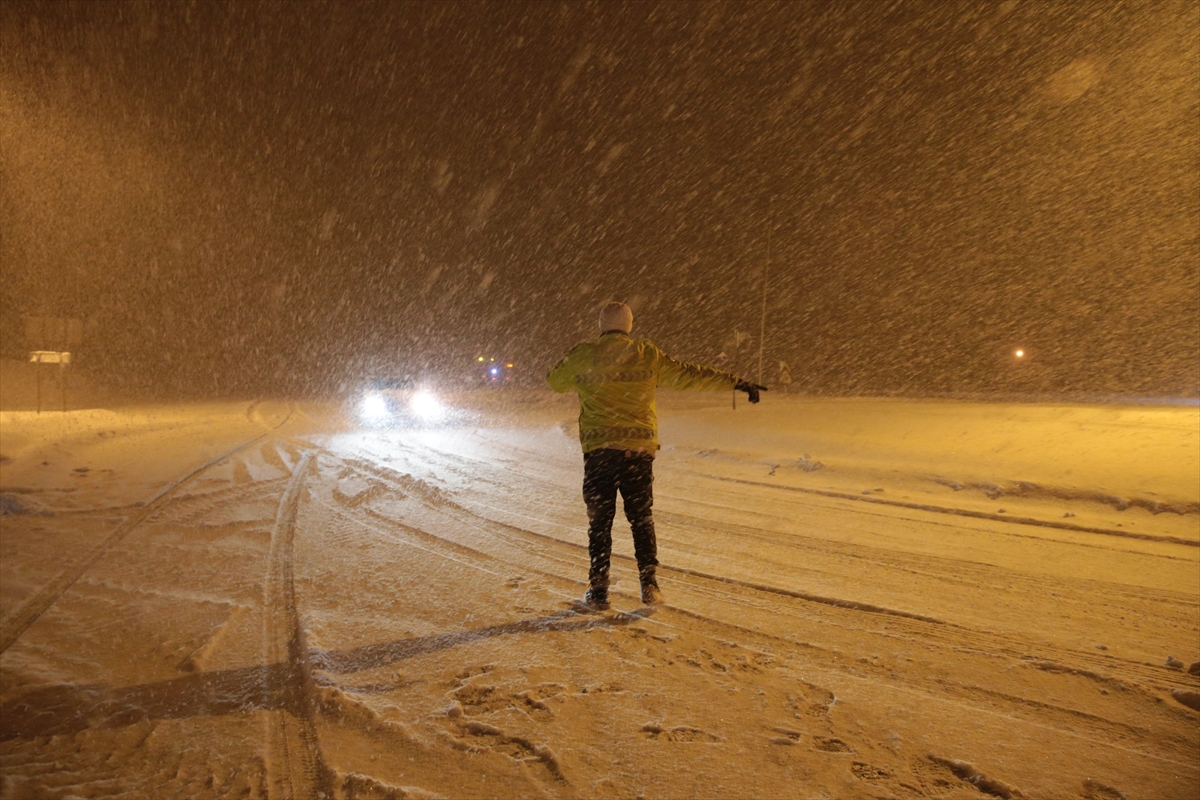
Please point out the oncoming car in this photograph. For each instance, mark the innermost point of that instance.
(398, 402)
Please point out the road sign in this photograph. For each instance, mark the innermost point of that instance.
(50, 357)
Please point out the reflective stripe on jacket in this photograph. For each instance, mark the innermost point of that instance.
(616, 377)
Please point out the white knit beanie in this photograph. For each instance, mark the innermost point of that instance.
(616, 317)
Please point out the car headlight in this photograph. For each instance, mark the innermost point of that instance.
(426, 406)
(374, 408)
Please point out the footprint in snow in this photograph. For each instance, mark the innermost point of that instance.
(518, 748)
(785, 736)
(867, 772)
(831, 745)
(679, 733)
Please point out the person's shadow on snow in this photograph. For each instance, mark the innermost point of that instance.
(69, 708)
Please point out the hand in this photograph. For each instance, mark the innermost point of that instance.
(751, 389)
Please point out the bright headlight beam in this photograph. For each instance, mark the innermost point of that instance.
(426, 406)
(374, 408)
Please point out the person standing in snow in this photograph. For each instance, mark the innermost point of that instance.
(616, 377)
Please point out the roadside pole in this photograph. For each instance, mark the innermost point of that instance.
(762, 320)
(737, 340)
(50, 341)
(60, 357)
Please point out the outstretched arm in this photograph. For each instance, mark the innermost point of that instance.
(675, 374)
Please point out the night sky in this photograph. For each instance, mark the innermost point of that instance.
(281, 198)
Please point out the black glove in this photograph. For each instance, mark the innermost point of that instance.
(751, 389)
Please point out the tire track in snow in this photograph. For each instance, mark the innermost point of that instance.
(446, 505)
(1150, 675)
(295, 768)
(98, 764)
(1052, 658)
(1015, 522)
(521, 538)
(465, 555)
(1102, 670)
(959, 512)
(910, 563)
(1159, 744)
(1154, 742)
(28, 612)
(947, 633)
(276, 685)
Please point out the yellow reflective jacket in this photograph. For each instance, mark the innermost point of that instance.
(616, 378)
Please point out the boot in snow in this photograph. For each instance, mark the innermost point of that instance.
(651, 594)
(596, 597)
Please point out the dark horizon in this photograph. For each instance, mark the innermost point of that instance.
(283, 197)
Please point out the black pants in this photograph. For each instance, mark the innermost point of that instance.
(605, 472)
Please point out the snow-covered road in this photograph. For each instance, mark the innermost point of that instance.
(865, 598)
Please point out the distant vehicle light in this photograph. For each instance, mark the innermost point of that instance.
(496, 371)
(375, 408)
(426, 406)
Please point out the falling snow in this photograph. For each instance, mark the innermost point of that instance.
(953, 550)
(919, 188)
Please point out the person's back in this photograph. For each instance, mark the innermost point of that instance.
(616, 378)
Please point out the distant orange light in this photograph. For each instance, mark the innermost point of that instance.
(1020, 354)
